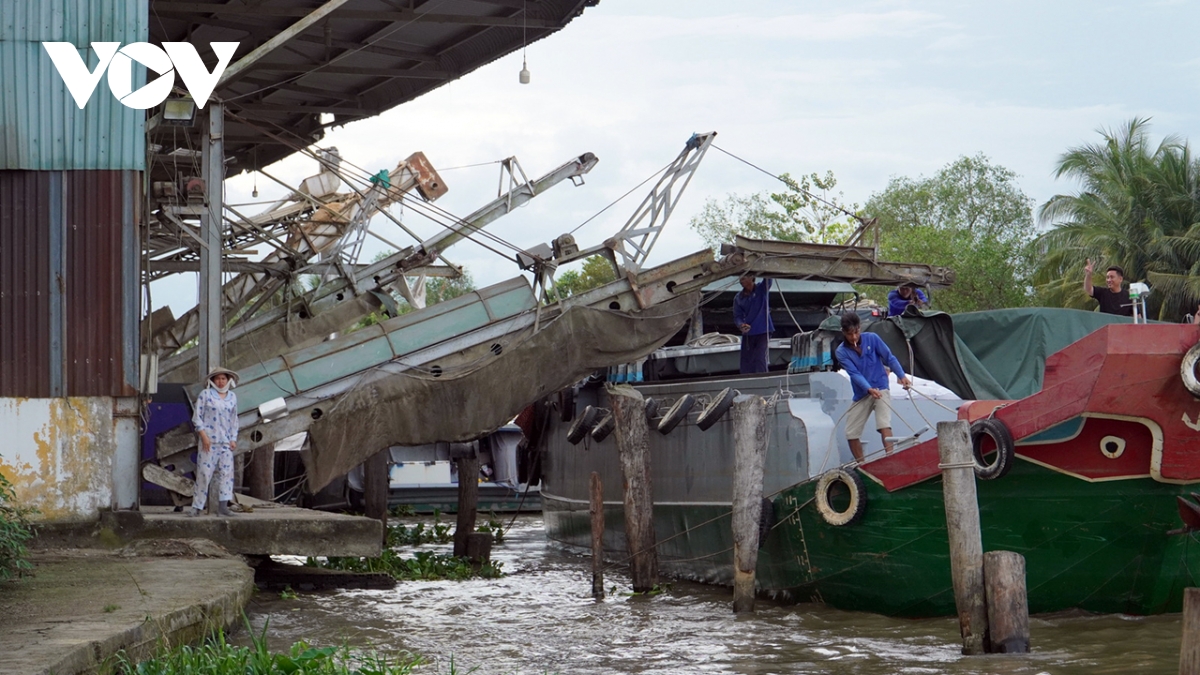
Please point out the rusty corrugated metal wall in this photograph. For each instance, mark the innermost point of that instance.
(68, 283)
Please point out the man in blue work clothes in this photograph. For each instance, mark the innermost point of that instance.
(863, 356)
(752, 315)
(907, 294)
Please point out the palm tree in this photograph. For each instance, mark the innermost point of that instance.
(1137, 208)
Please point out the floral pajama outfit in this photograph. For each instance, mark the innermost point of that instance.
(216, 417)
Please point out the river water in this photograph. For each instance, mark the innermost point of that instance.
(540, 618)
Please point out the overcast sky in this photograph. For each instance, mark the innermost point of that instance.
(868, 90)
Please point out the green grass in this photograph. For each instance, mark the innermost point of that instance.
(217, 657)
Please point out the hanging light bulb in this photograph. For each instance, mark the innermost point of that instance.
(524, 68)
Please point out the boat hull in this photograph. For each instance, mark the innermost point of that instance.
(1100, 547)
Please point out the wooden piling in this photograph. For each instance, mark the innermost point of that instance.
(1189, 650)
(1007, 602)
(468, 499)
(375, 487)
(260, 472)
(629, 414)
(596, 509)
(749, 448)
(479, 548)
(966, 541)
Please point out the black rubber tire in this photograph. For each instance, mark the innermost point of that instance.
(716, 409)
(1005, 448)
(651, 409)
(766, 521)
(566, 404)
(582, 425)
(858, 497)
(1187, 370)
(603, 428)
(676, 414)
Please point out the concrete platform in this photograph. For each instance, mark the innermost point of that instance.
(266, 529)
(83, 606)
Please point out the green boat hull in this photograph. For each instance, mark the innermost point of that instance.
(1096, 546)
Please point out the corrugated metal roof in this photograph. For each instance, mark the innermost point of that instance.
(366, 57)
(41, 127)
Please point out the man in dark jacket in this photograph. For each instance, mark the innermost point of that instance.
(752, 315)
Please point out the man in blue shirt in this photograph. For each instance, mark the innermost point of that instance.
(863, 356)
(907, 294)
(752, 314)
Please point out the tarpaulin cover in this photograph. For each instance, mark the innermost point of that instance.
(480, 392)
(1013, 344)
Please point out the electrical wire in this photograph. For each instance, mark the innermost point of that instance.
(792, 184)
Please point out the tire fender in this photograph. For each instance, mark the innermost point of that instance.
(1187, 370)
(1005, 448)
(716, 409)
(582, 425)
(858, 497)
(604, 427)
(676, 414)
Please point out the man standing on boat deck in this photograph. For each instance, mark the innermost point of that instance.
(752, 314)
(903, 296)
(1113, 297)
(863, 356)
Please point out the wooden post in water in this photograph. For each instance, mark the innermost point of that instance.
(375, 487)
(468, 495)
(596, 509)
(629, 414)
(749, 455)
(962, 524)
(261, 472)
(1189, 650)
(1007, 602)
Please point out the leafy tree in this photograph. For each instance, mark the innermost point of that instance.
(969, 216)
(441, 289)
(1138, 207)
(437, 289)
(596, 271)
(794, 214)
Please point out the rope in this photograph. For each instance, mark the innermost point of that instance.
(957, 465)
(614, 203)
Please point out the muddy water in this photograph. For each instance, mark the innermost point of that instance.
(540, 618)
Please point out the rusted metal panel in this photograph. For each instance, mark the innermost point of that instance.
(68, 309)
(25, 283)
(95, 302)
(41, 127)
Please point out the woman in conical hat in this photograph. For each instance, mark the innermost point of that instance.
(216, 421)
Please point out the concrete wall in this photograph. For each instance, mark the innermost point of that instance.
(59, 454)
